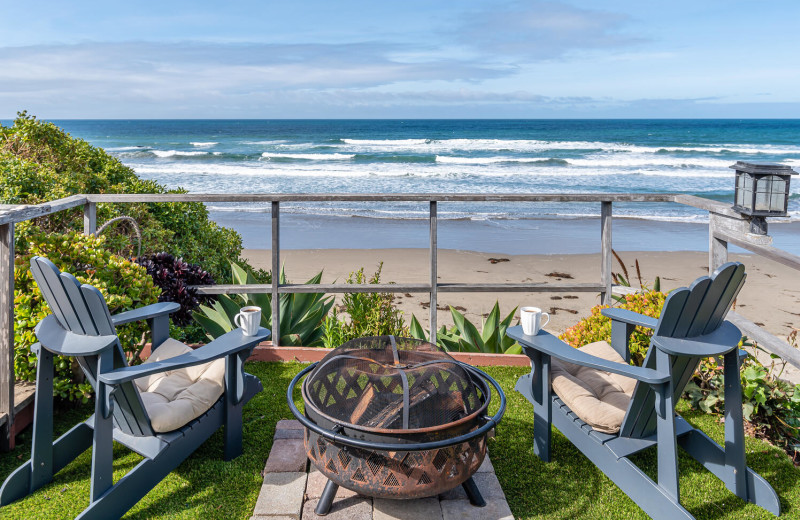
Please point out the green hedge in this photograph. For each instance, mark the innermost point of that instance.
(40, 162)
(125, 286)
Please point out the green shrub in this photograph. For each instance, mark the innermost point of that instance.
(124, 285)
(597, 327)
(464, 336)
(770, 404)
(40, 162)
(367, 314)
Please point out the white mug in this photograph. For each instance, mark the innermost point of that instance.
(531, 319)
(249, 319)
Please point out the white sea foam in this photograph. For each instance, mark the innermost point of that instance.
(175, 153)
(448, 159)
(274, 141)
(387, 142)
(610, 163)
(204, 144)
(643, 160)
(529, 145)
(309, 156)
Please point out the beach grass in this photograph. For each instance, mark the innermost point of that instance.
(205, 486)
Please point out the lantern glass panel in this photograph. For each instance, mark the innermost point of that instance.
(762, 201)
(739, 187)
(777, 194)
(744, 194)
(763, 192)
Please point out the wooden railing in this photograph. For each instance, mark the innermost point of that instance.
(725, 227)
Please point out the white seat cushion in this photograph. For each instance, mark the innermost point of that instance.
(175, 397)
(599, 398)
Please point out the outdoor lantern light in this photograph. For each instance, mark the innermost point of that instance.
(762, 190)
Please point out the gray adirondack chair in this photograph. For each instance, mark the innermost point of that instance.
(691, 327)
(81, 326)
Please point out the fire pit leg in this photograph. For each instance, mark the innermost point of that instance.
(326, 500)
(472, 491)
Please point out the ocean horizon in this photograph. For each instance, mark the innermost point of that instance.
(454, 155)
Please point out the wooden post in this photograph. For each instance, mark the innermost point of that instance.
(717, 249)
(434, 270)
(7, 334)
(276, 273)
(735, 459)
(90, 218)
(605, 251)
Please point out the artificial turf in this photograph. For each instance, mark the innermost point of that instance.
(206, 487)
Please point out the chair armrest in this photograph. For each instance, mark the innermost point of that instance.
(142, 313)
(548, 344)
(723, 340)
(231, 343)
(626, 316)
(66, 343)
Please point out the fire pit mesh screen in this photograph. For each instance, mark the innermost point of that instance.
(386, 383)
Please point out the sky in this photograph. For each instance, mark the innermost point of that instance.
(409, 59)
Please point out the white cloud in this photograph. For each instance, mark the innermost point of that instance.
(540, 30)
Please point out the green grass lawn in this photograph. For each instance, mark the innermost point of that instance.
(569, 488)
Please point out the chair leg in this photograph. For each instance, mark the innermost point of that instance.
(543, 412)
(536, 388)
(103, 444)
(18, 484)
(234, 385)
(39, 470)
(713, 457)
(665, 431)
(42, 449)
(648, 495)
(128, 490)
(735, 459)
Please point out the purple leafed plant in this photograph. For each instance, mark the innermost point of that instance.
(175, 278)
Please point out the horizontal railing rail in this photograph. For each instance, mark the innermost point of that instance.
(725, 226)
(384, 197)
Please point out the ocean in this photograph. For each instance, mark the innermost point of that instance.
(483, 156)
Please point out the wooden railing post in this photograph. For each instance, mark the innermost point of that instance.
(605, 251)
(434, 257)
(90, 218)
(276, 273)
(717, 248)
(7, 334)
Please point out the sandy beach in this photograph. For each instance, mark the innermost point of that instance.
(770, 298)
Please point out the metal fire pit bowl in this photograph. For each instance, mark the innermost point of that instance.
(395, 418)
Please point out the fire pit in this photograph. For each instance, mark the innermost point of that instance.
(395, 418)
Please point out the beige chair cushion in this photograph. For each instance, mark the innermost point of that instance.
(599, 398)
(175, 397)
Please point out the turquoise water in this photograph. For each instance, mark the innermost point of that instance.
(485, 156)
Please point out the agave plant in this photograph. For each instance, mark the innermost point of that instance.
(302, 315)
(464, 336)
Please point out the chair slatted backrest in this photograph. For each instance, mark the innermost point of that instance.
(82, 310)
(687, 313)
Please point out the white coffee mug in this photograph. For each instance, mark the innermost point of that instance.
(531, 319)
(249, 319)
